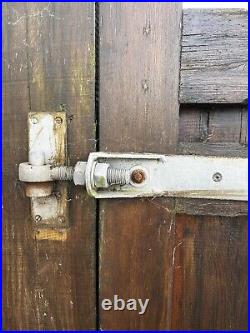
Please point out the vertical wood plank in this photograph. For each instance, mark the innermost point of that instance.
(210, 273)
(225, 126)
(48, 58)
(139, 77)
(213, 124)
(244, 127)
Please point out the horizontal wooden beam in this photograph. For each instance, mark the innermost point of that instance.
(212, 149)
(211, 207)
(214, 56)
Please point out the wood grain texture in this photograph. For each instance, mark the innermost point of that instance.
(48, 60)
(213, 123)
(244, 127)
(211, 207)
(139, 69)
(214, 56)
(212, 149)
(213, 130)
(210, 274)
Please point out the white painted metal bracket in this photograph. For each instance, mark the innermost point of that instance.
(161, 175)
(47, 149)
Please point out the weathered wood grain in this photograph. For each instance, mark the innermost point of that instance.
(224, 126)
(210, 273)
(244, 127)
(48, 61)
(211, 207)
(214, 56)
(139, 69)
(213, 149)
(213, 123)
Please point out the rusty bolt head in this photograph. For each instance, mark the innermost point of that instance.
(61, 219)
(138, 176)
(38, 218)
(58, 120)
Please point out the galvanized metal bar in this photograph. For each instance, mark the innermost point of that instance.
(174, 176)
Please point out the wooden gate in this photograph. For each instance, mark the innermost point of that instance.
(132, 77)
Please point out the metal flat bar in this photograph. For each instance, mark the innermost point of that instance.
(175, 176)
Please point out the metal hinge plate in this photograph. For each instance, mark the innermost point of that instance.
(170, 175)
(49, 209)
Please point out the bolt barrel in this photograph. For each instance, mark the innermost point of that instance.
(117, 176)
(62, 173)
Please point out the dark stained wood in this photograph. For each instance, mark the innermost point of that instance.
(192, 267)
(212, 149)
(211, 207)
(48, 60)
(137, 80)
(193, 124)
(213, 123)
(139, 69)
(210, 274)
(224, 126)
(214, 56)
(244, 127)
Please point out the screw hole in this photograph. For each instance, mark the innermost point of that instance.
(217, 177)
(38, 218)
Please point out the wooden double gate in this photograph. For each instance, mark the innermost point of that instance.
(132, 77)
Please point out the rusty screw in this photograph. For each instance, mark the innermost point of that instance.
(61, 219)
(38, 218)
(138, 176)
(58, 120)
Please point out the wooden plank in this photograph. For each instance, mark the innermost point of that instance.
(210, 274)
(213, 149)
(211, 207)
(48, 57)
(244, 127)
(224, 126)
(213, 123)
(193, 123)
(139, 69)
(214, 56)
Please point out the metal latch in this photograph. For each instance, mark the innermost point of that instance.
(119, 175)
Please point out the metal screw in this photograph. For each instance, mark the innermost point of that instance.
(58, 120)
(138, 176)
(217, 177)
(34, 120)
(58, 195)
(38, 218)
(61, 219)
